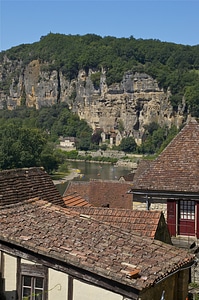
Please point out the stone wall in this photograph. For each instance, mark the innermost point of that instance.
(143, 204)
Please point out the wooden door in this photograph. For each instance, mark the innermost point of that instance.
(186, 218)
(171, 216)
(197, 220)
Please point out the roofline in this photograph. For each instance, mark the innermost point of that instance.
(51, 261)
(75, 270)
(184, 267)
(163, 194)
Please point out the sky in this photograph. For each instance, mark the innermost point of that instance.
(24, 22)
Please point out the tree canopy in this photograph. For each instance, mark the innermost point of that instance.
(28, 137)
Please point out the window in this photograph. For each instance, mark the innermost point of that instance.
(187, 210)
(32, 288)
(33, 280)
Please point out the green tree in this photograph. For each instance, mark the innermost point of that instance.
(128, 144)
(20, 147)
(50, 158)
(192, 97)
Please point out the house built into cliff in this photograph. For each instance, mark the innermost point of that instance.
(49, 252)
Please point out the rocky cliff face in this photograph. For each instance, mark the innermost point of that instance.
(134, 102)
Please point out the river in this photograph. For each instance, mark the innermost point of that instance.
(89, 171)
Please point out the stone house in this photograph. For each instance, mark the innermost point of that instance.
(68, 142)
(52, 253)
(170, 184)
(113, 137)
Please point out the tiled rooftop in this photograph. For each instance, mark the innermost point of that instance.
(141, 222)
(177, 167)
(22, 184)
(89, 244)
(102, 193)
(74, 199)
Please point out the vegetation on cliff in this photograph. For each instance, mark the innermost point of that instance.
(29, 137)
(174, 66)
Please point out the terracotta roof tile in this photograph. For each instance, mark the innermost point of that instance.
(142, 222)
(74, 199)
(177, 167)
(103, 193)
(89, 244)
(22, 184)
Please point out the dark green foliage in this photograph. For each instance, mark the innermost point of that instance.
(84, 142)
(103, 147)
(73, 154)
(192, 98)
(27, 136)
(169, 135)
(50, 158)
(156, 138)
(95, 77)
(128, 145)
(20, 147)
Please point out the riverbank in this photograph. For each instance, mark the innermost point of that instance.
(73, 173)
(78, 170)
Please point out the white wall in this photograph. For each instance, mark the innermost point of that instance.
(10, 275)
(57, 285)
(85, 291)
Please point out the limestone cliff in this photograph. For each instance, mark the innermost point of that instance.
(134, 102)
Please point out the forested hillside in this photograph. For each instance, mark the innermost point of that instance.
(174, 66)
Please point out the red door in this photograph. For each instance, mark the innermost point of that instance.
(171, 216)
(186, 218)
(197, 220)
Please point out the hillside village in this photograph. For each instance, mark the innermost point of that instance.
(117, 240)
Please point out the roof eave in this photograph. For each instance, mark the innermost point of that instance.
(164, 194)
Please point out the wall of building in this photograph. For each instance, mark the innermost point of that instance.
(57, 285)
(89, 292)
(142, 204)
(174, 286)
(9, 276)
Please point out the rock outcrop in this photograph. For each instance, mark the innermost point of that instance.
(134, 102)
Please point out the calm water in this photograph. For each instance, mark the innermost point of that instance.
(95, 171)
